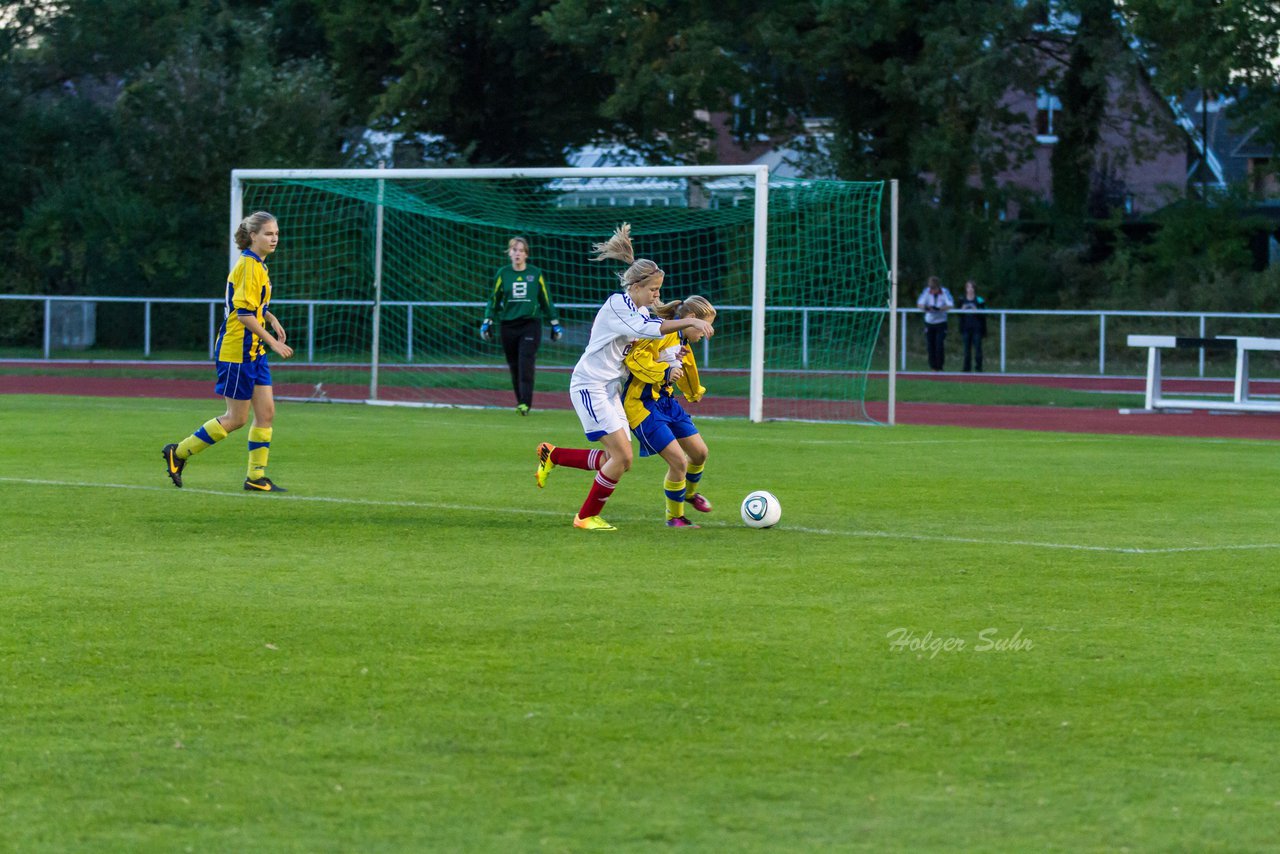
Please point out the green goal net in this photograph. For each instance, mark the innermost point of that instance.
(382, 277)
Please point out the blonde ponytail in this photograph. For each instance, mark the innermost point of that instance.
(697, 306)
(619, 248)
(666, 310)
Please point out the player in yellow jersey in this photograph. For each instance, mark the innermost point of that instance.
(244, 377)
(655, 415)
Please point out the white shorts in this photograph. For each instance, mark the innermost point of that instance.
(599, 410)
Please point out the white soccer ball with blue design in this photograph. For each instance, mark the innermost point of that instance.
(761, 509)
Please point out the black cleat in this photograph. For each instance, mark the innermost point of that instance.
(262, 484)
(173, 464)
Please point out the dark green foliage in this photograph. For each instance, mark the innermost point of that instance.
(123, 118)
(1082, 88)
(661, 67)
(126, 121)
(1198, 259)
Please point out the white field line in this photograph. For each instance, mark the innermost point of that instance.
(1029, 437)
(473, 508)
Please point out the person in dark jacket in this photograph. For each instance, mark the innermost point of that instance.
(973, 325)
(519, 301)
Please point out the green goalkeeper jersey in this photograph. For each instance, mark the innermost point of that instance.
(520, 295)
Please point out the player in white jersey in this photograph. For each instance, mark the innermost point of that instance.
(618, 322)
(596, 386)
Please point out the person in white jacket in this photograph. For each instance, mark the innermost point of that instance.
(936, 301)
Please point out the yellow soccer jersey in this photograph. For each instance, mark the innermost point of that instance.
(648, 361)
(248, 293)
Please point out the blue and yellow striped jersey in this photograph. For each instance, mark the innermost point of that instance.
(648, 363)
(248, 294)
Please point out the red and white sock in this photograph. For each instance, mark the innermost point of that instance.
(579, 458)
(601, 489)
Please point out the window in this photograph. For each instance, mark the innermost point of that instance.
(1047, 109)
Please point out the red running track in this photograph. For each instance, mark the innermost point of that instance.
(1052, 418)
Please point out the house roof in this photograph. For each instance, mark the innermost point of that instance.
(1231, 143)
(1250, 146)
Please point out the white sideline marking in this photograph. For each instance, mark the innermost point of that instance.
(880, 535)
(931, 538)
(1046, 440)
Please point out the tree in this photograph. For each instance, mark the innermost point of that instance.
(1224, 47)
(482, 79)
(1095, 55)
(126, 153)
(665, 67)
(915, 90)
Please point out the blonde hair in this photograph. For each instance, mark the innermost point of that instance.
(518, 239)
(618, 248)
(665, 310)
(697, 306)
(249, 226)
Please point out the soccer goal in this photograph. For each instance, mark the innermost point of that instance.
(382, 277)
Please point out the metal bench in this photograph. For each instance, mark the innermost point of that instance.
(1242, 345)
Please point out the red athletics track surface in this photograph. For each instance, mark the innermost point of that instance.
(1054, 418)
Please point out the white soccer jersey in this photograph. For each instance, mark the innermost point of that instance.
(671, 355)
(618, 322)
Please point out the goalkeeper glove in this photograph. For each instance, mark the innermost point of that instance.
(484, 329)
(556, 331)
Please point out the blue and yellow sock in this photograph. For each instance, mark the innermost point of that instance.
(206, 436)
(259, 447)
(674, 490)
(694, 476)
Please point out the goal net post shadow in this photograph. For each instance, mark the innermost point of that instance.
(382, 277)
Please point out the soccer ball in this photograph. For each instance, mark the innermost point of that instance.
(761, 509)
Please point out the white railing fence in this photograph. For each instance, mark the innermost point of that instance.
(910, 337)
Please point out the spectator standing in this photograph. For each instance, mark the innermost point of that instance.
(935, 302)
(973, 326)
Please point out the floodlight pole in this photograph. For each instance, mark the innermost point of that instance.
(893, 300)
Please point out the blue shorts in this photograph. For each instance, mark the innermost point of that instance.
(237, 380)
(666, 423)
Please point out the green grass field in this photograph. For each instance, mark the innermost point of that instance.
(955, 640)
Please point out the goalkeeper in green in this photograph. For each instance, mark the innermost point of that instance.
(519, 299)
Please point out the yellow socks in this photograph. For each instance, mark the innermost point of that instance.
(694, 476)
(674, 490)
(209, 434)
(259, 447)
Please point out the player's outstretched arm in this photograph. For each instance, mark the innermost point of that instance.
(687, 323)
